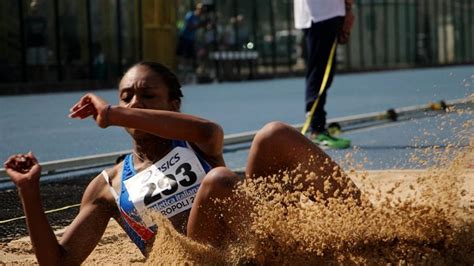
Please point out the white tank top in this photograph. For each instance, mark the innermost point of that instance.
(168, 186)
(308, 11)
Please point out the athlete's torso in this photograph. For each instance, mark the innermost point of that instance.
(168, 186)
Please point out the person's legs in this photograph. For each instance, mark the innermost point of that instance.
(318, 121)
(319, 41)
(314, 74)
(214, 208)
(278, 147)
(191, 53)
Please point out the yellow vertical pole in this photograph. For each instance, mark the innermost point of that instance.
(159, 31)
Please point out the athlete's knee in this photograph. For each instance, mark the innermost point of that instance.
(274, 131)
(219, 180)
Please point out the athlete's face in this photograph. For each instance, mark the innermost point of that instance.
(142, 88)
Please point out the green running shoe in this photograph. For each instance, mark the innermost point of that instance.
(326, 140)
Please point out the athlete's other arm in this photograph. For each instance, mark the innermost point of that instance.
(207, 135)
(80, 238)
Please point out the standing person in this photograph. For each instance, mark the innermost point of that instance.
(176, 167)
(324, 23)
(36, 26)
(187, 39)
(70, 35)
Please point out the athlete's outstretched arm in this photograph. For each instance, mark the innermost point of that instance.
(80, 237)
(167, 124)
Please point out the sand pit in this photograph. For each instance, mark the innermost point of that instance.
(115, 247)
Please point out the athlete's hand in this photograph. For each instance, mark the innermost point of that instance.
(23, 169)
(91, 105)
(345, 33)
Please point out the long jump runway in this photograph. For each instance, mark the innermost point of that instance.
(39, 122)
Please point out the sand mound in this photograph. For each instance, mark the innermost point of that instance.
(397, 229)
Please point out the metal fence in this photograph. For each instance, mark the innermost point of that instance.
(45, 41)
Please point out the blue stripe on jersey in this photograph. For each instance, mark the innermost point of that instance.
(128, 207)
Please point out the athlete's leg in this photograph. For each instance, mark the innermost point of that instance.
(214, 208)
(279, 147)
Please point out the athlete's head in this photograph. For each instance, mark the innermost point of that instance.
(150, 85)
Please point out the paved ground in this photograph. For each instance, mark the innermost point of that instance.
(39, 122)
(390, 146)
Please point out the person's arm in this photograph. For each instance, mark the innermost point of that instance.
(207, 135)
(345, 33)
(80, 237)
(83, 234)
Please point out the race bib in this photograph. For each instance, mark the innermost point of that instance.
(168, 186)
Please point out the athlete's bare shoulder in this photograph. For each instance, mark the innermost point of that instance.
(99, 189)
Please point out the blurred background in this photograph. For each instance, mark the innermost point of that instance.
(67, 44)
